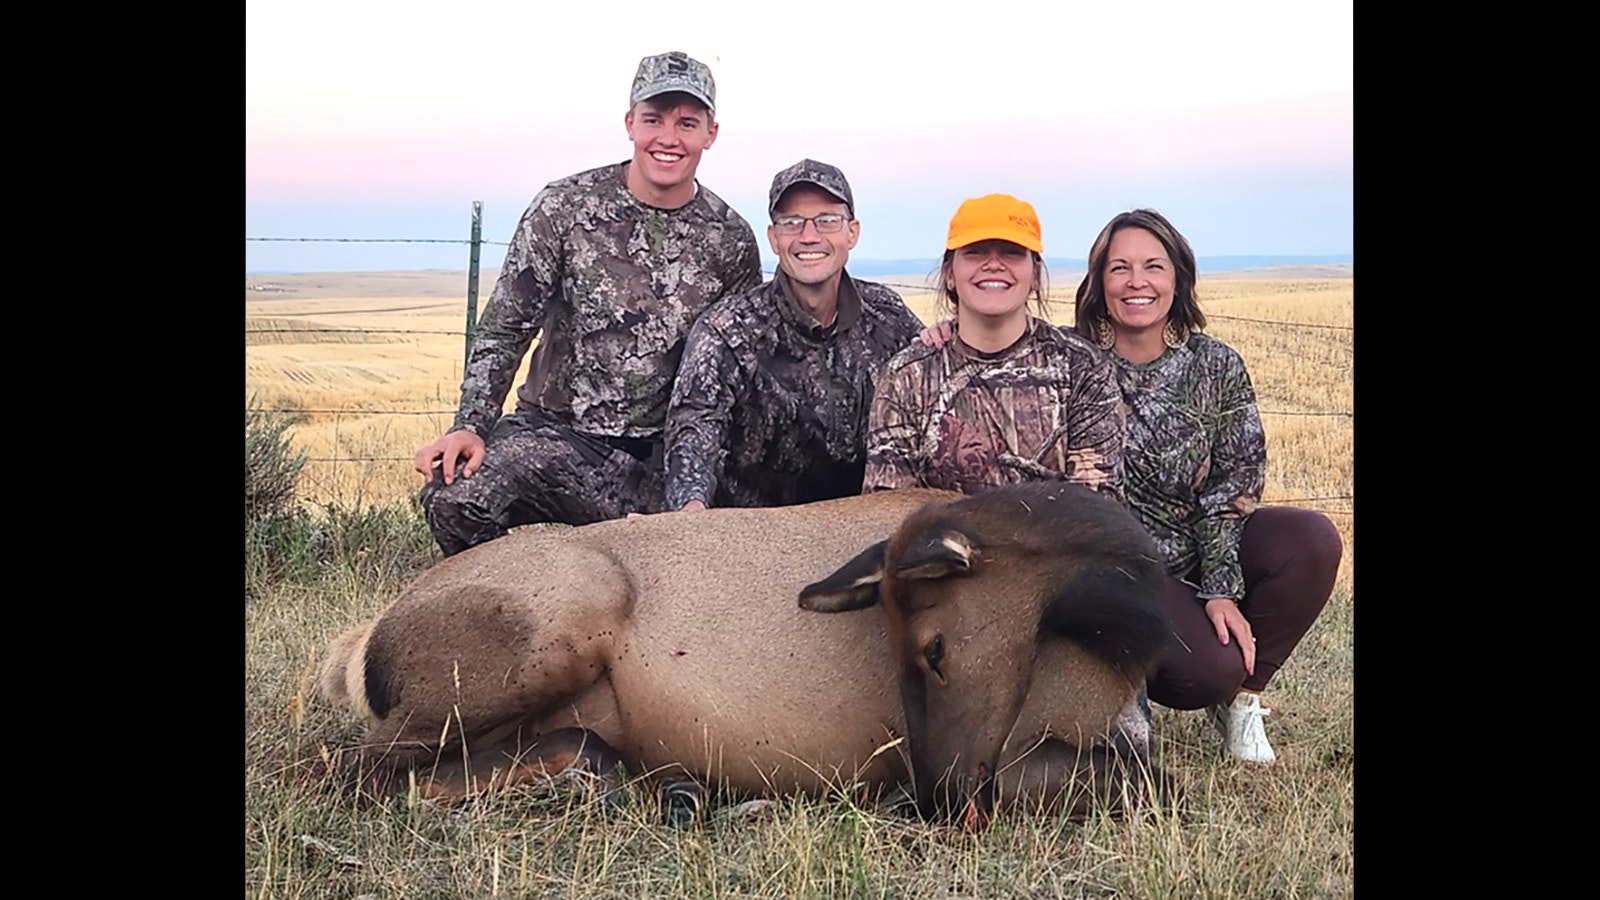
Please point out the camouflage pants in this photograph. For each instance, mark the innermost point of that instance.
(537, 470)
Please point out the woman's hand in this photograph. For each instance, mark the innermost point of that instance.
(938, 334)
(1226, 619)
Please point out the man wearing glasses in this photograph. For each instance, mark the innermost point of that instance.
(771, 400)
(607, 269)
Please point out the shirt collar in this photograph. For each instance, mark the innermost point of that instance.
(847, 310)
(963, 349)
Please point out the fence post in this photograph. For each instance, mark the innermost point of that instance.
(472, 282)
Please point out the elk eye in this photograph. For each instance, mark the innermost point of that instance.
(933, 652)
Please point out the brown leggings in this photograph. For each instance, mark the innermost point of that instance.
(1290, 557)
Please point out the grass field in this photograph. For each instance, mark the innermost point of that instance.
(1280, 831)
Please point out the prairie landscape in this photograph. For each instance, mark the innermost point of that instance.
(366, 367)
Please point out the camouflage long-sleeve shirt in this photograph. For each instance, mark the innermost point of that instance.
(1196, 457)
(1047, 407)
(770, 408)
(610, 285)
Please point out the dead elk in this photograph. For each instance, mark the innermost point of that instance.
(1016, 627)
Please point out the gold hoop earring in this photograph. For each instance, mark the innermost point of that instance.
(1105, 337)
(1174, 335)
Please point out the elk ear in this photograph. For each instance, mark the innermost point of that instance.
(935, 555)
(854, 586)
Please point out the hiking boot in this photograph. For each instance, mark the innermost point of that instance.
(1243, 735)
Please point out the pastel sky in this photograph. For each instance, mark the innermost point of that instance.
(367, 119)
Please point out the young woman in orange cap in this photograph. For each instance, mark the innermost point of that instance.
(1010, 398)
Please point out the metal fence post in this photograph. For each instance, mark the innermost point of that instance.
(472, 282)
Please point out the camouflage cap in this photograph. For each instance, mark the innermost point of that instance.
(674, 71)
(809, 171)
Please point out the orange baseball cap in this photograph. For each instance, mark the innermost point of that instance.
(995, 217)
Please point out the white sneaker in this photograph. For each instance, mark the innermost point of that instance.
(1243, 735)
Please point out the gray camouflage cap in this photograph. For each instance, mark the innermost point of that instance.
(674, 71)
(809, 171)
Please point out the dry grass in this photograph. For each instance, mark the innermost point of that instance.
(1283, 832)
(1286, 831)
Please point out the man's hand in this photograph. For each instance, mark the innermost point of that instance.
(458, 446)
(1226, 619)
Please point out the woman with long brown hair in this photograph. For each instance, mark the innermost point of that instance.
(1246, 580)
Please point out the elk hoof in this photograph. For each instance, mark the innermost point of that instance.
(681, 802)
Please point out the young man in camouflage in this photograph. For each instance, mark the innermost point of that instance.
(770, 406)
(608, 268)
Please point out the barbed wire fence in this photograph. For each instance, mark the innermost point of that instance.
(474, 244)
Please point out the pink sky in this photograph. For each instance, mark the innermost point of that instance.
(1231, 116)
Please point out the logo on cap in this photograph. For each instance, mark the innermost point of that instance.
(674, 71)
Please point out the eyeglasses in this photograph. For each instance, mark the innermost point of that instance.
(827, 223)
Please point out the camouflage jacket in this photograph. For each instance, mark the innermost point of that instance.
(1046, 407)
(770, 408)
(1196, 457)
(610, 287)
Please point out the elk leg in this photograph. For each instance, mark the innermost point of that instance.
(514, 760)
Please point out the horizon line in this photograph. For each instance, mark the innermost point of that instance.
(1215, 264)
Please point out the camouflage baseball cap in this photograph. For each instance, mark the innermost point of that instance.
(809, 171)
(674, 71)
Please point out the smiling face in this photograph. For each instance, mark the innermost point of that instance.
(668, 139)
(812, 257)
(992, 279)
(1139, 281)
